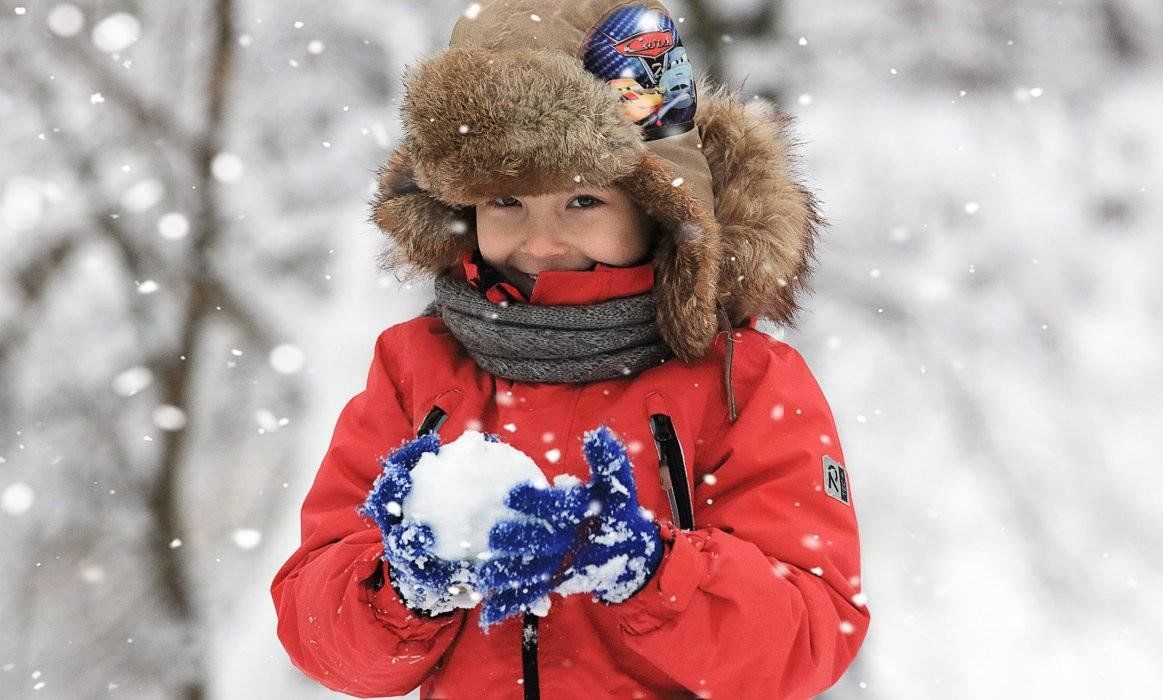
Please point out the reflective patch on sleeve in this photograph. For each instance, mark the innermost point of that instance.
(835, 480)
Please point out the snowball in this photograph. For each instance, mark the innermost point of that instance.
(460, 492)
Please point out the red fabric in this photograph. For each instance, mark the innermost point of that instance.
(757, 601)
(559, 287)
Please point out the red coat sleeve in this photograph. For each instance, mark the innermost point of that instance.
(337, 628)
(762, 600)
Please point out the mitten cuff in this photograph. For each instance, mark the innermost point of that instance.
(387, 605)
(670, 590)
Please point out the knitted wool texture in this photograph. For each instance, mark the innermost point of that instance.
(551, 343)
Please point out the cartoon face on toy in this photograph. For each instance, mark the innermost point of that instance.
(637, 49)
(675, 83)
(639, 102)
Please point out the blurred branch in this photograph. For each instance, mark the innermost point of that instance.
(1120, 32)
(175, 372)
(711, 30)
(33, 279)
(154, 117)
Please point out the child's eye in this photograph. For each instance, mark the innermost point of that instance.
(504, 202)
(584, 201)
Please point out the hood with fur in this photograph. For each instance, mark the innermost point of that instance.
(518, 106)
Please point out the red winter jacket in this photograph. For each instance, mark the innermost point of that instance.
(756, 601)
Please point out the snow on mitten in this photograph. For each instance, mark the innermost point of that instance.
(573, 538)
(424, 581)
(624, 548)
(528, 553)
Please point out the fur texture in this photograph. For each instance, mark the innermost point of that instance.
(483, 124)
(752, 255)
(686, 258)
(769, 221)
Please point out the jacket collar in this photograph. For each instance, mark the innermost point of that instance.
(558, 287)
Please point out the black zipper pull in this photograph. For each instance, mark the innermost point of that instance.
(432, 422)
(672, 470)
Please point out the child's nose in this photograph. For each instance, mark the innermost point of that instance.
(543, 244)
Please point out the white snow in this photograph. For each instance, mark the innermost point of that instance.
(143, 195)
(17, 498)
(65, 19)
(460, 491)
(286, 358)
(22, 205)
(246, 538)
(116, 32)
(226, 167)
(173, 226)
(132, 380)
(169, 417)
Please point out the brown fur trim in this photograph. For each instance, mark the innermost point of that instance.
(483, 124)
(686, 261)
(753, 255)
(769, 222)
(427, 235)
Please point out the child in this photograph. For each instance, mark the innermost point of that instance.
(601, 252)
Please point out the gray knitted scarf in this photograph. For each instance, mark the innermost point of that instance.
(541, 343)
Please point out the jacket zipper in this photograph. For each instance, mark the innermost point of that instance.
(673, 474)
(672, 470)
(674, 481)
(529, 677)
(432, 422)
(530, 682)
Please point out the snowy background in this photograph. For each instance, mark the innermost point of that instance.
(189, 294)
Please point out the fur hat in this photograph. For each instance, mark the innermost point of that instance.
(536, 96)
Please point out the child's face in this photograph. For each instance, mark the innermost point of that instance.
(569, 230)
